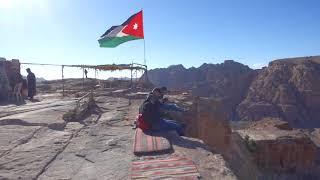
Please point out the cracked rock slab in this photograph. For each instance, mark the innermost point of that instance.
(51, 117)
(94, 157)
(13, 135)
(29, 160)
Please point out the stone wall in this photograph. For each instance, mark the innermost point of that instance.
(4, 81)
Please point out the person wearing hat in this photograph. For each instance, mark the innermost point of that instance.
(165, 102)
(164, 91)
(150, 114)
(31, 84)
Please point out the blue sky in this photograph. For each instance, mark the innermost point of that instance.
(176, 31)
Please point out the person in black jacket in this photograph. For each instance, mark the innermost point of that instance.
(31, 84)
(86, 73)
(150, 110)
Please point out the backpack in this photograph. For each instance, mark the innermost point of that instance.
(150, 114)
(142, 124)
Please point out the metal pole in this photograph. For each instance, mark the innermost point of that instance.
(136, 74)
(144, 56)
(144, 46)
(131, 75)
(145, 61)
(146, 74)
(144, 52)
(83, 79)
(95, 76)
(62, 76)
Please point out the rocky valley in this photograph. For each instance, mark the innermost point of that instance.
(287, 88)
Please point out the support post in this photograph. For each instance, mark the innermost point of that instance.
(144, 48)
(131, 84)
(146, 74)
(144, 56)
(144, 52)
(82, 79)
(136, 74)
(62, 76)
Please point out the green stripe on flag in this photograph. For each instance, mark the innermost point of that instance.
(111, 42)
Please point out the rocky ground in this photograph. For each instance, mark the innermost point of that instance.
(36, 143)
(39, 144)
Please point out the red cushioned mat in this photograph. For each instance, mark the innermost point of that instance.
(168, 168)
(146, 143)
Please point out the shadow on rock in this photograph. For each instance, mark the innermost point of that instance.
(81, 112)
(34, 100)
(17, 103)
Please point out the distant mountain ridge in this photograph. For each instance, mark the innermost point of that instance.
(228, 81)
(287, 88)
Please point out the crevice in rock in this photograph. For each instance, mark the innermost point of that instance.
(89, 160)
(21, 141)
(54, 158)
(10, 113)
(84, 157)
(53, 126)
(75, 134)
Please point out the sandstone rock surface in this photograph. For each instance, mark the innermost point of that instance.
(265, 149)
(97, 147)
(288, 89)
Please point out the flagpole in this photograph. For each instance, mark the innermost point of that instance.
(145, 61)
(144, 52)
(144, 43)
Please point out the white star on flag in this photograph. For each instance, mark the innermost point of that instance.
(135, 26)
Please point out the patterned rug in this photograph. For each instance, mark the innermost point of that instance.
(145, 143)
(169, 168)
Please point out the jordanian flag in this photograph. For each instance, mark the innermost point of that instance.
(130, 30)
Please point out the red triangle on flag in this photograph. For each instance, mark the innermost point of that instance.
(135, 26)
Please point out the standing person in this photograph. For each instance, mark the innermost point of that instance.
(31, 84)
(17, 86)
(24, 90)
(86, 73)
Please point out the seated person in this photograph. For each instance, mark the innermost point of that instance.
(163, 91)
(150, 114)
(165, 104)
